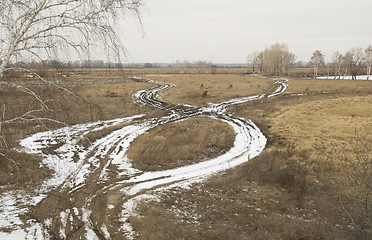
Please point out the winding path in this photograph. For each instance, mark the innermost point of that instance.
(95, 190)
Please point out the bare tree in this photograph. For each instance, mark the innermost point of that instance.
(202, 66)
(289, 61)
(48, 28)
(337, 62)
(354, 60)
(316, 61)
(368, 58)
(252, 60)
(260, 61)
(276, 60)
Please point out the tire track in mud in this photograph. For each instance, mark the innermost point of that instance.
(93, 197)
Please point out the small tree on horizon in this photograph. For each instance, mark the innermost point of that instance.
(276, 60)
(354, 61)
(368, 57)
(252, 60)
(337, 63)
(316, 62)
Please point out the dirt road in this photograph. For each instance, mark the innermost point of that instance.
(95, 189)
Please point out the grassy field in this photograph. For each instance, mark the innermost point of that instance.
(301, 186)
(181, 143)
(199, 89)
(307, 184)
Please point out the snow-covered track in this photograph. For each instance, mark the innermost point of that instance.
(100, 176)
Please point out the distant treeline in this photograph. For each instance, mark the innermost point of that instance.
(70, 64)
(102, 64)
(277, 60)
(184, 66)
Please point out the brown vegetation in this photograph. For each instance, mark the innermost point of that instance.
(89, 100)
(296, 189)
(181, 143)
(199, 89)
(306, 185)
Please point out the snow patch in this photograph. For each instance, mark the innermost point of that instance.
(359, 77)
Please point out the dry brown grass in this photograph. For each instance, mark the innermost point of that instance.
(293, 189)
(190, 88)
(329, 86)
(113, 99)
(327, 125)
(259, 200)
(181, 143)
(93, 135)
(177, 71)
(21, 169)
(93, 100)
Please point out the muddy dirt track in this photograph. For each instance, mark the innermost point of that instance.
(95, 189)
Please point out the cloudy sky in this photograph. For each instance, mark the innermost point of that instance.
(226, 31)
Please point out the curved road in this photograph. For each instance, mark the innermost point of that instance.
(95, 190)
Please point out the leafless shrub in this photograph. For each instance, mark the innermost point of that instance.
(12, 74)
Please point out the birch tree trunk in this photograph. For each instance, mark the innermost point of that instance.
(368, 57)
(316, 61)
(337, 63)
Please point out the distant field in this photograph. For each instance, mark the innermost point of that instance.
(200, 89)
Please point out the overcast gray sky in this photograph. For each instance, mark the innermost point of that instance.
(226, 31)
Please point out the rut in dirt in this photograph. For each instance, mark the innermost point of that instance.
(95, 189)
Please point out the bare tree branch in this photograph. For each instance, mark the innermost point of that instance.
(47, 29)
(45, 26)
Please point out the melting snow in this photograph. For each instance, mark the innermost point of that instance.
(359, 77)
(70, 174)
